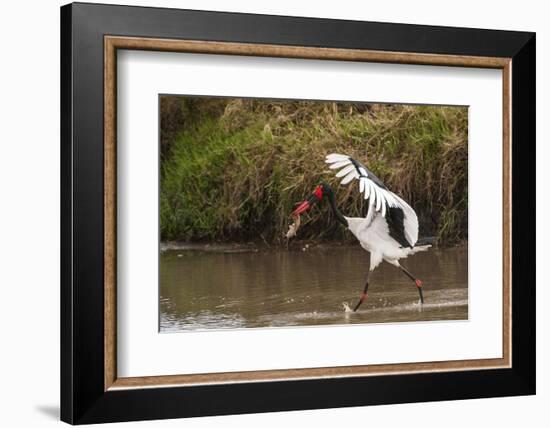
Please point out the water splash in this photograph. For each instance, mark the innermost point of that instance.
(346, 307)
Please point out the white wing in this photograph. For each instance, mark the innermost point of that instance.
(380, 198)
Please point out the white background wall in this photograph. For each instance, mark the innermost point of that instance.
(29, 213)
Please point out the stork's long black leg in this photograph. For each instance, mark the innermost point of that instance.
(416, 281)
(364, 294)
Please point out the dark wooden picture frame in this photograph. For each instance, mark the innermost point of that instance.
(90, 37)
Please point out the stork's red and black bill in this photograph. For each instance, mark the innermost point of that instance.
(309, 202)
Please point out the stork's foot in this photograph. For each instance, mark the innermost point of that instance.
(362, 298)
(415, 280)
(419, 287)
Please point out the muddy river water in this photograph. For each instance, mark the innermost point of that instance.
(270, 288)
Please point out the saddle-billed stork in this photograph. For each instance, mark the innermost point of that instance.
(388, 232)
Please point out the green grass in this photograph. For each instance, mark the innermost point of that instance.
(235, 172)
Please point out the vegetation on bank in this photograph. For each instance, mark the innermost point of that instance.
(233, 169)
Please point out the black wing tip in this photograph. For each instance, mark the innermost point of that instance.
(370, 174)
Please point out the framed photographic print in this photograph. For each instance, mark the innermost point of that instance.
(265, 213)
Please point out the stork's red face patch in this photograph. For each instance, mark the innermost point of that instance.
(318, 192)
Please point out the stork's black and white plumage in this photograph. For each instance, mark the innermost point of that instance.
(389, 231)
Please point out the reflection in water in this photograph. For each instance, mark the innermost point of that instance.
(215, 290)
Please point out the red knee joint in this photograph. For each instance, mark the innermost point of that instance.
(418, 283)
(363, 296)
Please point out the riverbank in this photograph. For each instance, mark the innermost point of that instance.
(252, 247)
(233, 169)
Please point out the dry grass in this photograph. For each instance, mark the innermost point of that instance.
(236, 169)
